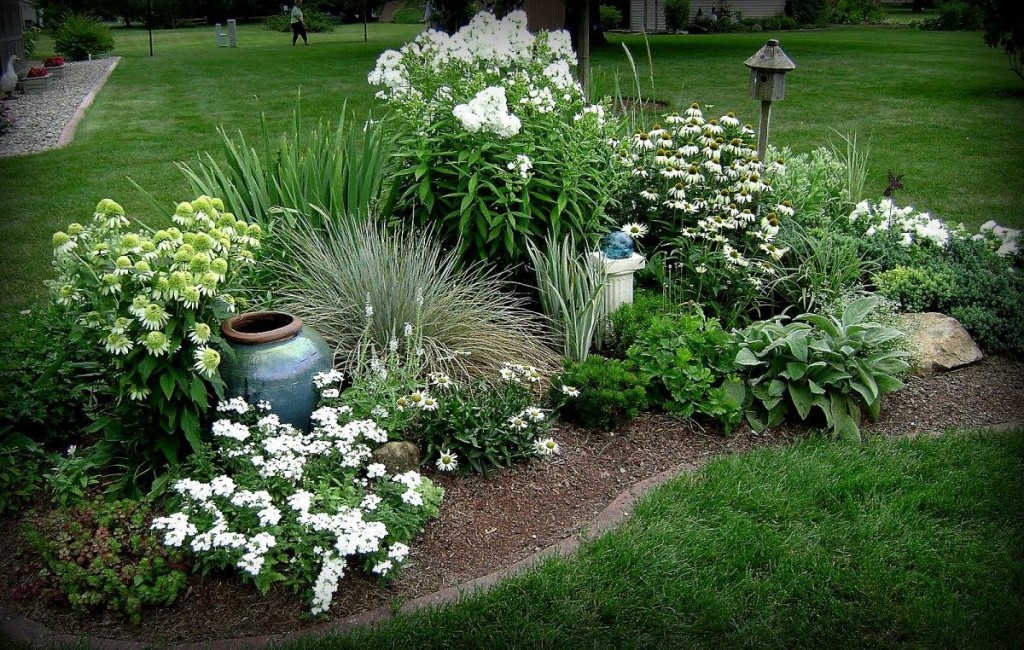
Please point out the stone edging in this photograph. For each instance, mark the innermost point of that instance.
(24, 630)
(68, 133)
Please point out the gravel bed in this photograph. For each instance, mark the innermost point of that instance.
(42, 117)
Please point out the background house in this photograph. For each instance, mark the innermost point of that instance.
(649, 15)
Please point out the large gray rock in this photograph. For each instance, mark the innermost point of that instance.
(398, 457)
(940, 343)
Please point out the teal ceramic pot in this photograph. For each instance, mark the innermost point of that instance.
(275, 359)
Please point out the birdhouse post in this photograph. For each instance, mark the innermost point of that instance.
(768, 68)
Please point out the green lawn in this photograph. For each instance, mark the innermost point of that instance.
(941, 108)
(897, 543)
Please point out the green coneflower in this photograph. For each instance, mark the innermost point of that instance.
(154, 317)
(63, 243)
(219, 265)
(67, 295)
(109, 214)
(138, 306)
(190, 297)
(130, 243)
(156, 343)
(143, 269)
(118, 343)
(178, 282)
(208, 283)
(207, 361)
(137, 393)
(200, 334)
(76, 229)
(110, 284)
(200, 263)
(184, 214)
(123, 265)
(203, 243)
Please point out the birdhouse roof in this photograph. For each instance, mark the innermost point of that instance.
(770, 57)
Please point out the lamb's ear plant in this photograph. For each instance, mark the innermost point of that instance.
(571, 290)
(830, 364)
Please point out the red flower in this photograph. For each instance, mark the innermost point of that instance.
(53, 61)
(37, 72)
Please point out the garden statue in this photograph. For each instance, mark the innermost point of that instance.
(617, 245)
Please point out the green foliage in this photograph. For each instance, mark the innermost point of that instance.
(808, 12)
(21, 470)
(677, 15)
(854, 12)
(71, 478)
(484, 425)
(687, 363)
(611, 393)
(917, 289)
(630, 320)
(80, 36)
(408, 15)
(611, 17)
(29, 37)
(571, 287)
(104, 558)
(153, 302)
(302, 178)
(54, 383)
(1004, 27)
(317, 22)
(818, 362)
(471, 320)
(821, 265)
(956, 16)
(816, 184)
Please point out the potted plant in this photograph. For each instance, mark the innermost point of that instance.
(36, 81)
(55, 66)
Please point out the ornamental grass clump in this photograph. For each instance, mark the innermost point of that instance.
(152, 301)
(283, 506)
(698, 185)
(496, 139)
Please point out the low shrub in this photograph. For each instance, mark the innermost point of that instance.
(677, 15)
(954, 16)
(103, 556)
(834, 365)
(598, 393)
(81, 36)
(611, 17)
(855, 12)
(630, 320)
(21, 470)
(687, 363)
(54, 381)
(316, 21)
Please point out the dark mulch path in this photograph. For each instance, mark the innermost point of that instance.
(490, 524)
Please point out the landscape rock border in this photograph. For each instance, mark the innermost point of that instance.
(24, 630)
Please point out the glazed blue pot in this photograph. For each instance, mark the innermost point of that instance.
(275, 358)
(617, 245)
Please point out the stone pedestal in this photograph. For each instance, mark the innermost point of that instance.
(618, 289)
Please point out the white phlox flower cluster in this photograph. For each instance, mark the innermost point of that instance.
(233, 405)
(523, 165)
(913, 227)
(264, 501)
(1008, 239)
(230, 429)
(488, 112)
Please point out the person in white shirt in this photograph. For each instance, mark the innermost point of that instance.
(298, 23)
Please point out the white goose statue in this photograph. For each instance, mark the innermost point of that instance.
(10, 77)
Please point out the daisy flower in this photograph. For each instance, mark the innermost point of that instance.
(635, 230)
(207, 361)
(416, 398)
(429, 403)
(447, 461)
(570, 391)
(517, 423)
(533, 413)
(546, 447)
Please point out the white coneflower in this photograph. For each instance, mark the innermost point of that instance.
(200, 334)
(546, 447)
(674, 204)
(672, 172)
(694, 111)
(447, 461)
(207, 361)
(137, 393)
(156, 343)
(640, 172)
(785, 208)
(729, 119)
(678, 191)
(692, 176)
(634, 230)
(733, 256)
(688, 150)
(700, 268)
(674, 118)
(642, 142)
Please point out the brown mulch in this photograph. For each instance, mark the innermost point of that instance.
(490, 524)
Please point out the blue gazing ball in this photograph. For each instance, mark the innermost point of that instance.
(617, 245)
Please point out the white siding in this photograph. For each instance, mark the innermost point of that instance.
(647, 15)
(749, 8)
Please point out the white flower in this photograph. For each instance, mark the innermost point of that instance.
(207, 360)
(517, 423)
(546, 447)
(534, 414)
(634, 230)
(447, 461)
(570, 391)
(382, 568)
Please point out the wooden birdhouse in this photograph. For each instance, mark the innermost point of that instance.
(768, 70)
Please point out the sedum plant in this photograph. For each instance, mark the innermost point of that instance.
(152, 302)
(838, 366)
(496, 140)
(283, 506)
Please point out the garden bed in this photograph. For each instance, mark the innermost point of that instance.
(490, 524)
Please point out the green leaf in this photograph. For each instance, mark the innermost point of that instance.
(167, 384)
(858, 310)
(802, 399)
(887, 383)
(796, 371)
(197, 391)
(190, 425)
(815, 388)
(747, 358)
(798, 346)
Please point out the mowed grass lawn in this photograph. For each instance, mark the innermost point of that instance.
(940, 108)
(822, 544)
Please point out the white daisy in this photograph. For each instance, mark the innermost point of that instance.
(447, 461)
(546, 447)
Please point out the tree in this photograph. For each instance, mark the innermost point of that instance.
(1004, 27)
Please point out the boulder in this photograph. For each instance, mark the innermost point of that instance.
(940, 343)
(398, 457)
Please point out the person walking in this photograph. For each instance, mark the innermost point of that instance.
(298, 23)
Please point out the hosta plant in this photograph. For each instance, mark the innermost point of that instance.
(497, 142)
(283, 506)
(152, 302)
(839, 367)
